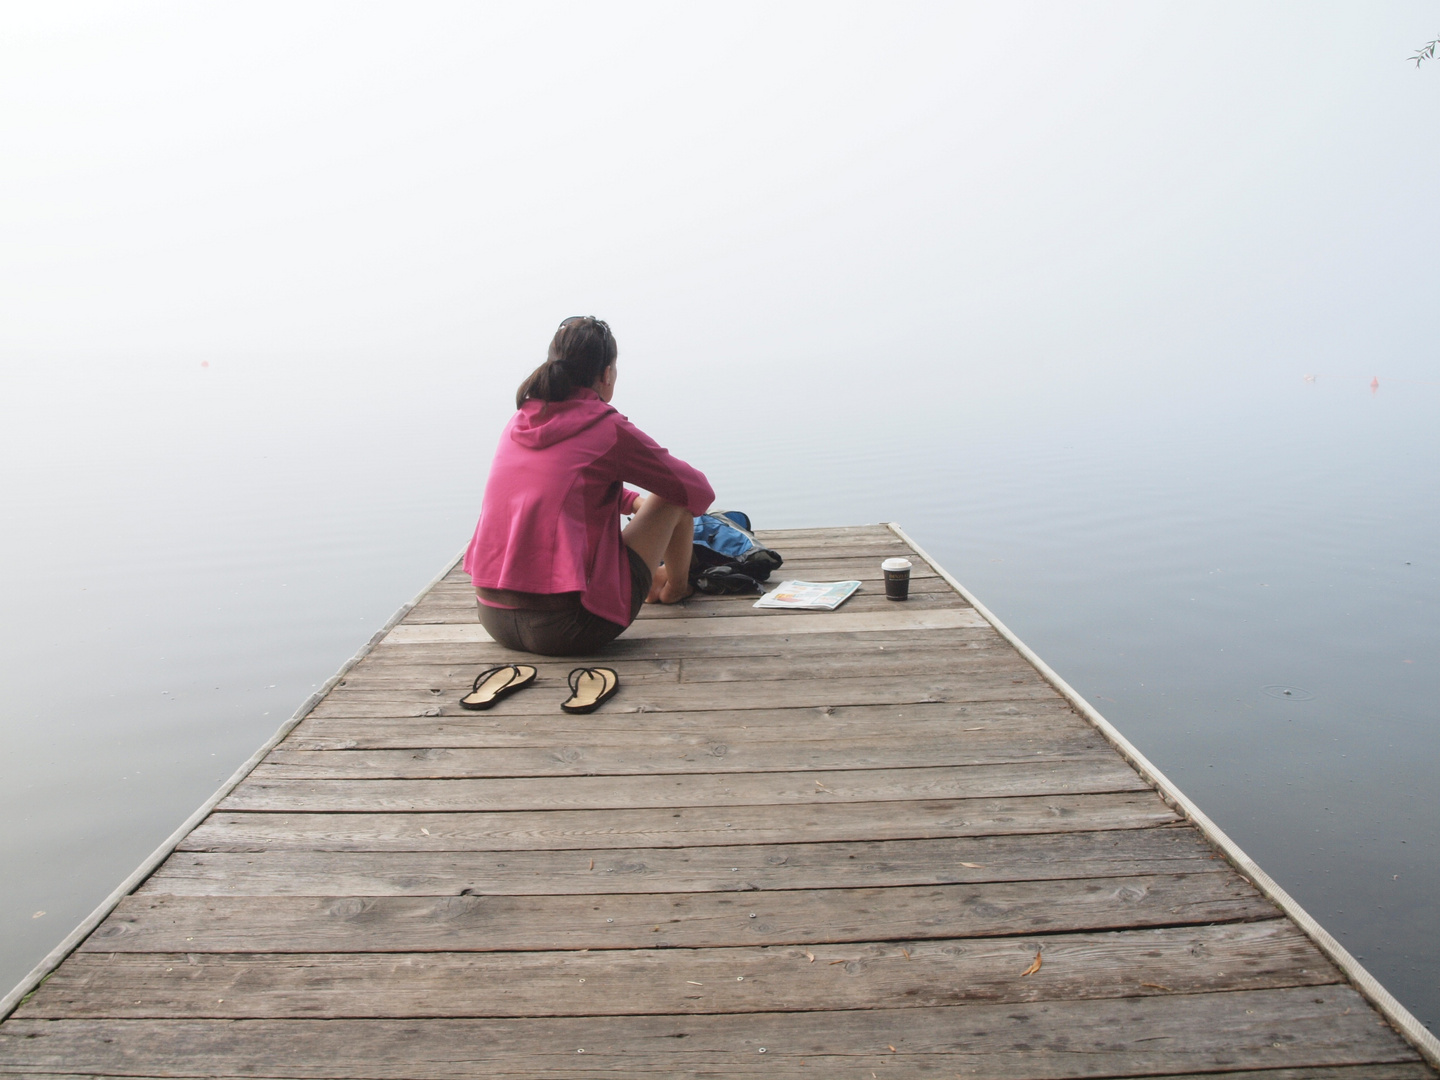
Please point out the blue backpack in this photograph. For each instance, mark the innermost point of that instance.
(727, 558)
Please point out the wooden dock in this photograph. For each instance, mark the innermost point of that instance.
(877, 842)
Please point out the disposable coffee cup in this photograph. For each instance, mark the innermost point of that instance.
(897, 578)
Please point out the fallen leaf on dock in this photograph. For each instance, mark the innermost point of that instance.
(1158, 986)
(892, 1047)
(425, 830)
(974, 865)
(1033, 967)
(906, 952)
(834, 962)
(692, 982)
(809, 956)
(592, 864)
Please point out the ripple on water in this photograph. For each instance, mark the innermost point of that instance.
(1287, 693)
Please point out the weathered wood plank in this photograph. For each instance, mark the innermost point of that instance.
(891, 663)
(1030, 725)
(798, 546)
(681, 827)
(1302, 1027)
(457, 678)
(728, 747)
(156, 922)
(653, 696)
(733, 747)
(797, 543)
(920, 664)
(1409, 1071)
(672, 756)
(475, 655)
(685, 789)
(870, 530)
(808, 1067)
(694, 869)
(894, 617)
(869, 975)
(982, 669)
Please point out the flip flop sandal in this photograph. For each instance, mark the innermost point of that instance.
(590, 688)
(494, 683)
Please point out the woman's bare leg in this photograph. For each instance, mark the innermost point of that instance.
(671, 582)
(662, 532)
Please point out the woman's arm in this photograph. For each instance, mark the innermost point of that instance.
(641, 460)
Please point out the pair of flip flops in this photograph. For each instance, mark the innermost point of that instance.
(589, 687)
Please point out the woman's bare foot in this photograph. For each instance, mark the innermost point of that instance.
(663, 592)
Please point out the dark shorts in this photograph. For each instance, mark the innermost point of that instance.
(562, 627)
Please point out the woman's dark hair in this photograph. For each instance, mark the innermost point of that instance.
(580, 352)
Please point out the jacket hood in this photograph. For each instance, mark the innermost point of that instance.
(544, 423)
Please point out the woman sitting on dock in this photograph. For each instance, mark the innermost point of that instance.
(553, 571)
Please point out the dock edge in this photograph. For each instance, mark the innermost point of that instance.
(38, 974)
(1370, 988)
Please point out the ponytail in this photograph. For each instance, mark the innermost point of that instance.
(582, 348)
(548, 382)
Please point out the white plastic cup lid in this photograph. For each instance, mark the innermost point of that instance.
(895, 564)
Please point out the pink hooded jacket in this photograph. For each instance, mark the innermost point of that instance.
(550, 520)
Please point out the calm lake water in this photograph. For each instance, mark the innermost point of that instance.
(1182, 556)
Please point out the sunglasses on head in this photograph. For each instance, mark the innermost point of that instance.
(601, 323)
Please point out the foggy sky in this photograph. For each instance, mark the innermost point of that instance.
(1113, 187)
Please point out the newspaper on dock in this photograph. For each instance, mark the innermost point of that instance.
(821, 595)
